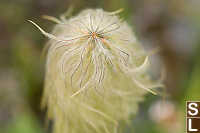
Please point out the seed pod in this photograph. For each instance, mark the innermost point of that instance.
(95, 73)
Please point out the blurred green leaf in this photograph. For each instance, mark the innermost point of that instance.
(24, 123)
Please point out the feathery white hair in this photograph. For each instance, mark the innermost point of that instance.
(95, 73)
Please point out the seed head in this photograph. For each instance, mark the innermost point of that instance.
(95, 73)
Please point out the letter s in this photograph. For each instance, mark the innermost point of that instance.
(193, 107)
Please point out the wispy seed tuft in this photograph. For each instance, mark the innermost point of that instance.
(95, 72)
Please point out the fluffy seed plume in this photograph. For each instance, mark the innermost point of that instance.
(95, 72)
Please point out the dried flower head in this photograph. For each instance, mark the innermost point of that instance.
(95, 73)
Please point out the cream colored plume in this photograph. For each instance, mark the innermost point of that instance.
(95, 73)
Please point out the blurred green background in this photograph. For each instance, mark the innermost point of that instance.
(172, 25)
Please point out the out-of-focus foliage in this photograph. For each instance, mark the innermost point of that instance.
(194, 81)
(172, 25)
